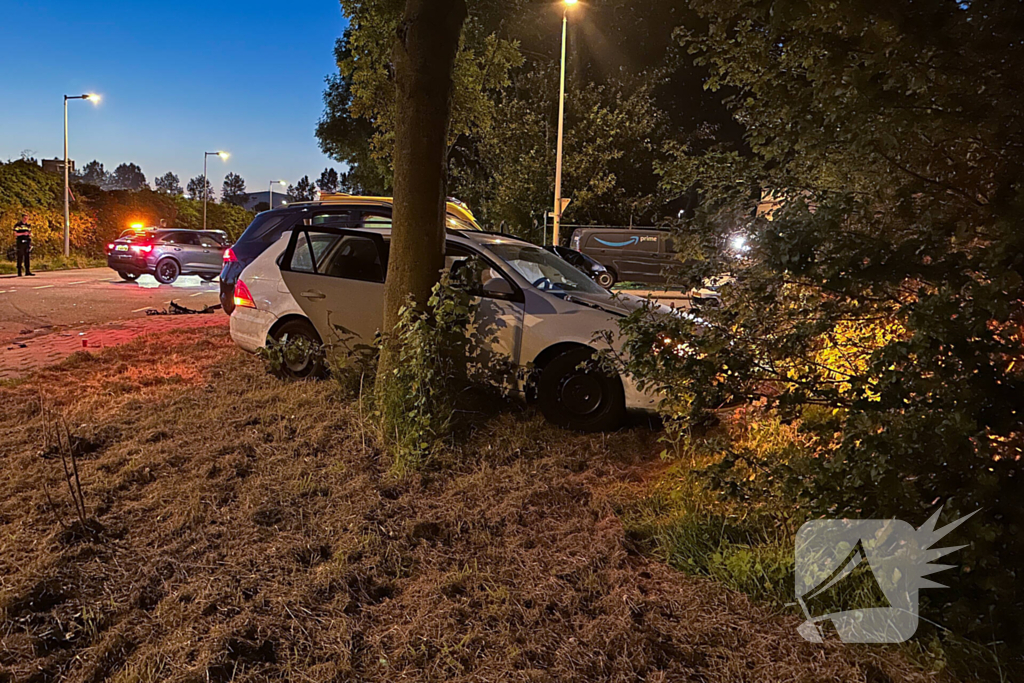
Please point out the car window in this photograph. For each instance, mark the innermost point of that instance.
(384, 221)
(376, 220)
(471, 268)
(353, 257)
(175, 238)
(309, 251)
(267, 227)
(335, 217)
(544, 270)
(209, 241)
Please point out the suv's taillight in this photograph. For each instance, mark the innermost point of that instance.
(142, 248)
(242, 296)
(229, 255)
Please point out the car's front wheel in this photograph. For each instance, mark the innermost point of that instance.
(167, 271)
(574, 391)
(130, 277)
(300, 349)
(605, 279)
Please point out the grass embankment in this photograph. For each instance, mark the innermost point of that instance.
(41, 265)
(237, 528)
(745, 540)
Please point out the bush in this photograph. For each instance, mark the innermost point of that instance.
(97, 216)
(415, 402)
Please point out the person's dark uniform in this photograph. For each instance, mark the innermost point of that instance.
(23, 245)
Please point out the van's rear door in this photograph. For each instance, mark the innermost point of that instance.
(337, 277)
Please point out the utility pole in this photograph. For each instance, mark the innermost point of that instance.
(559, 207)
(67, 186)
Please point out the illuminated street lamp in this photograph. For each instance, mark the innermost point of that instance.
(272, 182)
(67, 211)
(206, 183)
(559, 205)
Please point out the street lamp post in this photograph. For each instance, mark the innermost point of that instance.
(561, 125)
(206, 182)
(272, 183)
(67, 205)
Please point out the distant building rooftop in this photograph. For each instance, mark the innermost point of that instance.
(255, 198)
(57, 165)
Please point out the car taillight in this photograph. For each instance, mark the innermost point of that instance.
(142, 248)
(242, 296)
(110, 247)
(229, 255)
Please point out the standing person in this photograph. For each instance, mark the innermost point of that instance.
(23, 243)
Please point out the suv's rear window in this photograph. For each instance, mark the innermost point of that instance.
(267, 228)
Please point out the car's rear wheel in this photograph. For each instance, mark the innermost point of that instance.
(298, 362)
(576, 393)
(208, 277)
(130, 277)
(605, 279)
(167, 271)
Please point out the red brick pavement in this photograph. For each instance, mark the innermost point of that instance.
(20, 357)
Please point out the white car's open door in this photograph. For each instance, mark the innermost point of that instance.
(337, 277)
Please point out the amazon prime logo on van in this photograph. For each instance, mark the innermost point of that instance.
(865, 576)
(630, 241)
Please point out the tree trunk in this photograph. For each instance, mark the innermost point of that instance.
(424, 55)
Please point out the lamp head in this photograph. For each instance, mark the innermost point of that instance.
(570, 3)
(223, 155)
(92, 97)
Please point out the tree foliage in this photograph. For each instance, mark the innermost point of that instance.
(128, 176)
(195, 189)
(233, 190)
(359, 119)
(93, 174)
(627, 94)
(302, 191)
(168, 183)
(879, 304)
(329, 181)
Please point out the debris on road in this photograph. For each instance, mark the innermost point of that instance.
(177, 309)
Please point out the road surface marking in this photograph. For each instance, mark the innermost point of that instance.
(111, 279)
(43, 287)
(198, 293)
(78, 282)
(144, 308)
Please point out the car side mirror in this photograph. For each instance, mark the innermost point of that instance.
(498, 287)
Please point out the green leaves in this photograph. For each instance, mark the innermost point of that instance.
(884, 281)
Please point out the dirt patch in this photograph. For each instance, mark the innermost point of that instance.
(250, 532)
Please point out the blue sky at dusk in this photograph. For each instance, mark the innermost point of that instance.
(177, 79)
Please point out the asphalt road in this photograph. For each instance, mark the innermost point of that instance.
(53, 301)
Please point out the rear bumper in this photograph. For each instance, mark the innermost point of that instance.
(128, 264)
(250, 327)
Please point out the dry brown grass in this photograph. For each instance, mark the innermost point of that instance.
(250, 531)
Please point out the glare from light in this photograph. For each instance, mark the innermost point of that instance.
(136, 226)
(571, 2)
(739, 243)
(93, 97)
(223, 155)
